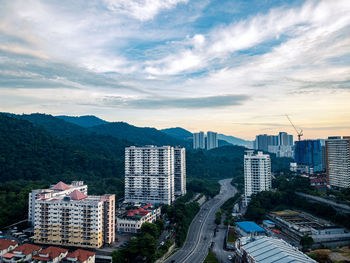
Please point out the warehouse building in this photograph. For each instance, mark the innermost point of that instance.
(249, 228)
(267, 250)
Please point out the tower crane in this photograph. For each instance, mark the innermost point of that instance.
(300, 133)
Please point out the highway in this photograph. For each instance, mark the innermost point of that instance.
(201, 231)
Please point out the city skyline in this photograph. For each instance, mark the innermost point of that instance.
(233, 67)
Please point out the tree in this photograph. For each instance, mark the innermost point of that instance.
(306, 242)
(151, 229)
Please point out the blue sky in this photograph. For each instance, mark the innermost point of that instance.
(231, 66)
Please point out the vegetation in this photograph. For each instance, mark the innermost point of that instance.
(143, 247)
(205, 186)
(180, 215)
(306, 242)
(211, 258)
(218, 217)
(227, 208)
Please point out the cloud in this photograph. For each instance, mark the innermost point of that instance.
(306, 27)
(186, 103)
(141, 9)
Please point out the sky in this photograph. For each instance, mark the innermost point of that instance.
(236, 67)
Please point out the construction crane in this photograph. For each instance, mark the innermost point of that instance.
(300, 133)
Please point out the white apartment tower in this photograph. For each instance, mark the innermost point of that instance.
(212, 140)
(179, 171)
(149, 174)
(257, 174)
(198, 140)
(338, 161)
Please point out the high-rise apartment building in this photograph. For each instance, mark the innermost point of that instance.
(179, 171)
(212, 140)
(198, 140)
(308, 156)
(338, 161)
(71, 218)
(149, 174)
(257, 173)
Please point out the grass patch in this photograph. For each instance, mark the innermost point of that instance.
(211, 258)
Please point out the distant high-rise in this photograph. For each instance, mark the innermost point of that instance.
(262, 142)
(179, 171)
(308, 155)
(149, 174)
(257, 173)
(338, 161)
(281, 144)
(198, 140)
(212, 140)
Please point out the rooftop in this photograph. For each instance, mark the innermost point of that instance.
(61, 186)
(4, 243)
(80, 255)
(249, 226)
(50, 253)
(268, 249)
(26, 249)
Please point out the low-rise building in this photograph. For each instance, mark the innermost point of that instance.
(269, 224)
(22, 253)
(298, 224)
(249, 228)
(50, 255)
(131, 221)
(266, 250)
(6, 246)
(80, 256)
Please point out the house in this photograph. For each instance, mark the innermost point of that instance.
(80, 256)
(22, 253)
(50, 255)
(6, 246)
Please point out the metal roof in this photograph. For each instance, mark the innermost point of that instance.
(268, 250)
(249, 226)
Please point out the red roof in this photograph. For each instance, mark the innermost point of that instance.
(5, 244)
(80, 255)
(77, 195)
(51, 253)
(60, 186)
(8, 255)
(147, 206)
(26, 249)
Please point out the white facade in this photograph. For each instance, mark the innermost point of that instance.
(257, 173)
(52, 191)
(212, 140)
(149, 174)
(198, 140)
(133, 223)
(179, 171)
(338, 161)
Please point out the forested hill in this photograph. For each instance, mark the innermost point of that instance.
(31, 153)
(140, 136)
(83, 121)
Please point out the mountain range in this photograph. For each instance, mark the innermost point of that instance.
(126, 131)
(37, 150)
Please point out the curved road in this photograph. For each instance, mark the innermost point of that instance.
(201, 231)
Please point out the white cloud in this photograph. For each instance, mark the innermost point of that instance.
(142, 9)
(314, 22)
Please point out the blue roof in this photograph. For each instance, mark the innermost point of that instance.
(269, 221)
(249, 226)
